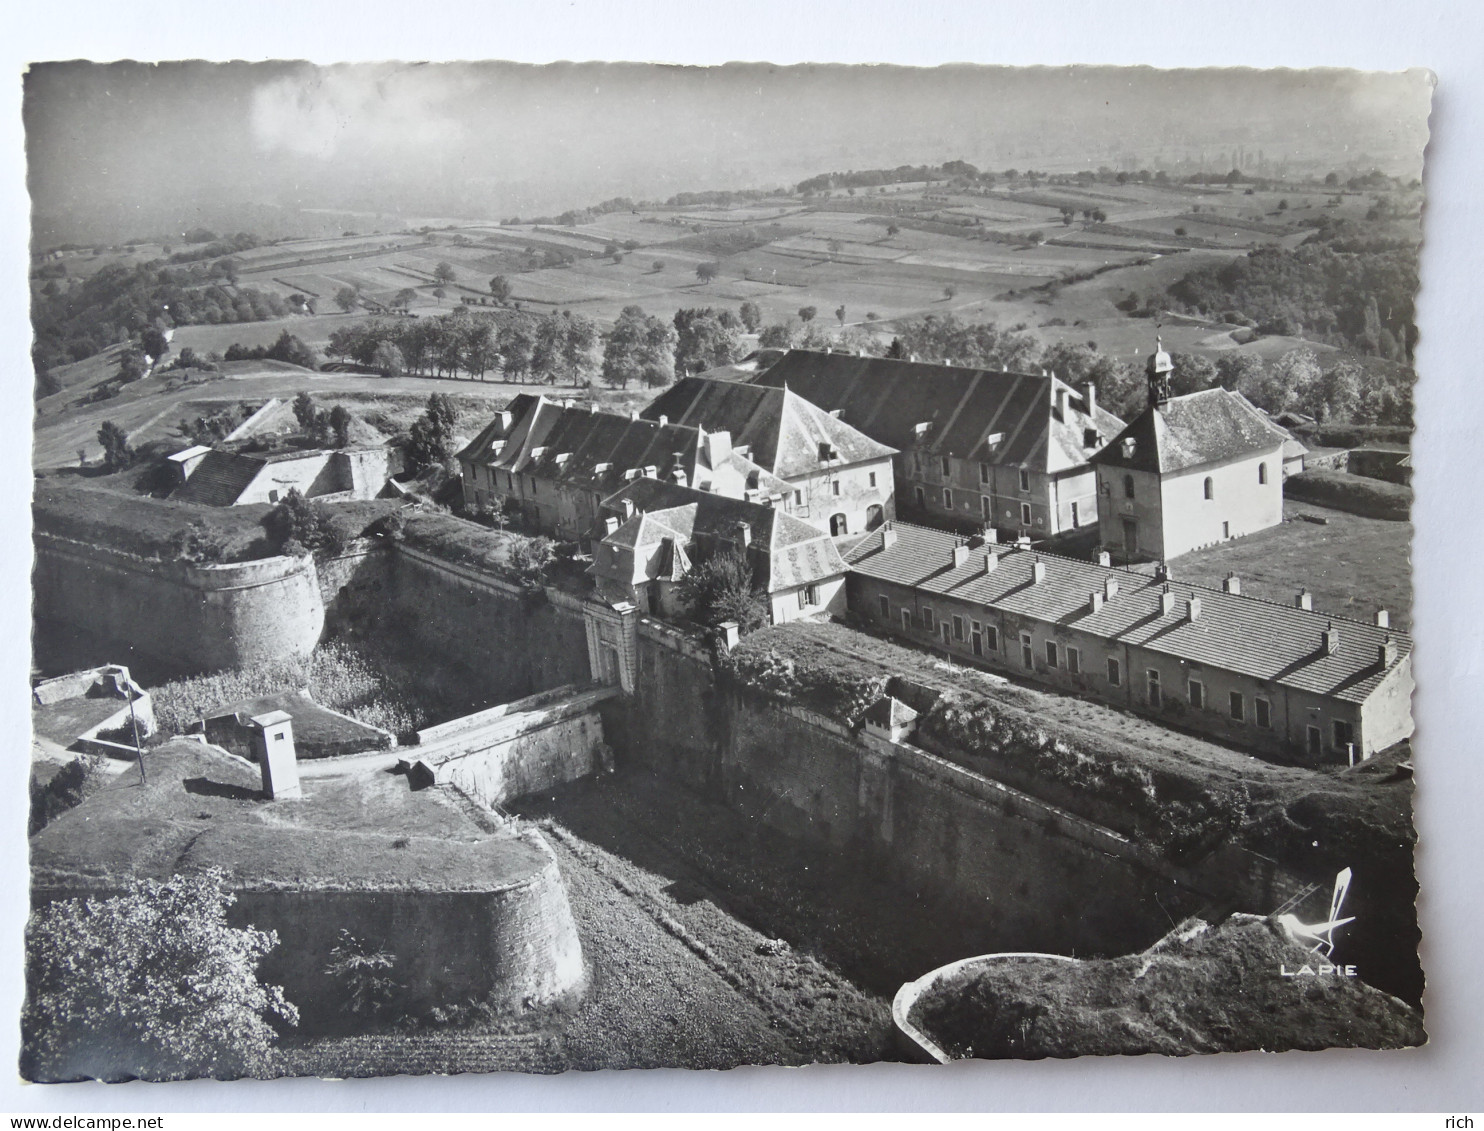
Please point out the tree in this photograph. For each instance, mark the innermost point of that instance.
(132, 365)
(1340, 393)
(298, 524)
(430, 439)
(640, 348)
(500, 289)
(388, 359)
(405, 298)
(840, 314)
(305, 413)
(780, 335)
(117, 454)
(530, 557)
(721, 588)
(705, 338)
(751, 315)
(707, 271)
(154, 343)
(892, 230)
(151, 983)
(346, 298)
(949, 291)
(807, 313)
(444, 273)
(294, 351)
(657, 266)
(516, 345)
(1191, 373)
(340, 425)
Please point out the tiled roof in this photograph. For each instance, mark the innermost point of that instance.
(785, 551)
(965, 408)
(781, 431)
(220, 478)
(1208, 427)
(1257, 638)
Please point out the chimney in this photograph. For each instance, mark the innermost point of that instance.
(610, 525)
(1383, 619)
(749, 495)
(1094, 601)
(960, 556)
(664, 420)
(991, 535)
(1110, 588)
(1386, 652)
(888, 538)
(744, 533)
(602, 468)
(991, 562)
(1162, 572)
(568, 402)
(1304, 600)
(1038, 572)
(718, 448)
(1232, 584)
(592, 406)
(1166, 602)
(1090, 397)
(1059, 398)
(1193, 610)
(1104, 558)
(507, 418)
(1331, 639)
(677, 473)
(651, 472)
(633, 414)
(628, 508)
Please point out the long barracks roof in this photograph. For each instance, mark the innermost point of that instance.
(1211, 426)
(569, 444)
(1257, 638)
(972, 414)
(780, 430)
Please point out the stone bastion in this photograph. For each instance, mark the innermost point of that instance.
(471, 908)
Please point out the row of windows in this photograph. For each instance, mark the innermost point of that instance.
(1208, 487)
(986, 470)
(986, 509)
(985, 638)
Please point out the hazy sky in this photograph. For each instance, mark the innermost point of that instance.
(499, 139)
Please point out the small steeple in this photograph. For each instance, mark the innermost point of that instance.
(1158, 370)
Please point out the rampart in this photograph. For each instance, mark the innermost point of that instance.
(201, 617)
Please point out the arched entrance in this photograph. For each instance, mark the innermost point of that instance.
(873, 516)
(838, 525)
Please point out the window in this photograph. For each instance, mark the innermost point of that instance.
(1316, 741)
(1262, 473)
(1344, 734)
(1074, 661)
(1226, 530)
(798, 498)
(1155, 699)
(273, 496)
(1115, 673)
(927, 619)
(835, 488)
(1051, 654)
(984, 473)
(946, 466)
(1197, 694)
(947, 498)
(944, 627)
(1128, 486)
(919, 497)
(804, 600)
(992, 637)
(1025, 479)
(977, 639)
(958, 628)
(1263, 711)
(885, 607)
(871, 478)
(1209, 488)
(1026, 653)
(906, 620)
(1074, 515)
(1238, 706)
(1025, 514)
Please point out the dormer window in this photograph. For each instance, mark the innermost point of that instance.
(1090, 437)
(1130, 446)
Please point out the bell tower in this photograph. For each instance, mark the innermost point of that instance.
(1158, 370)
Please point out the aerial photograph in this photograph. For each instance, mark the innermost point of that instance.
(610, 565)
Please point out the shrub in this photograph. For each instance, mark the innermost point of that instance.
(721, 588)
(68, 788)
(298, 525)
(151, 983)
(529, 558)
(361, 971)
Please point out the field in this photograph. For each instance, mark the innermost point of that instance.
(1353, 566)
